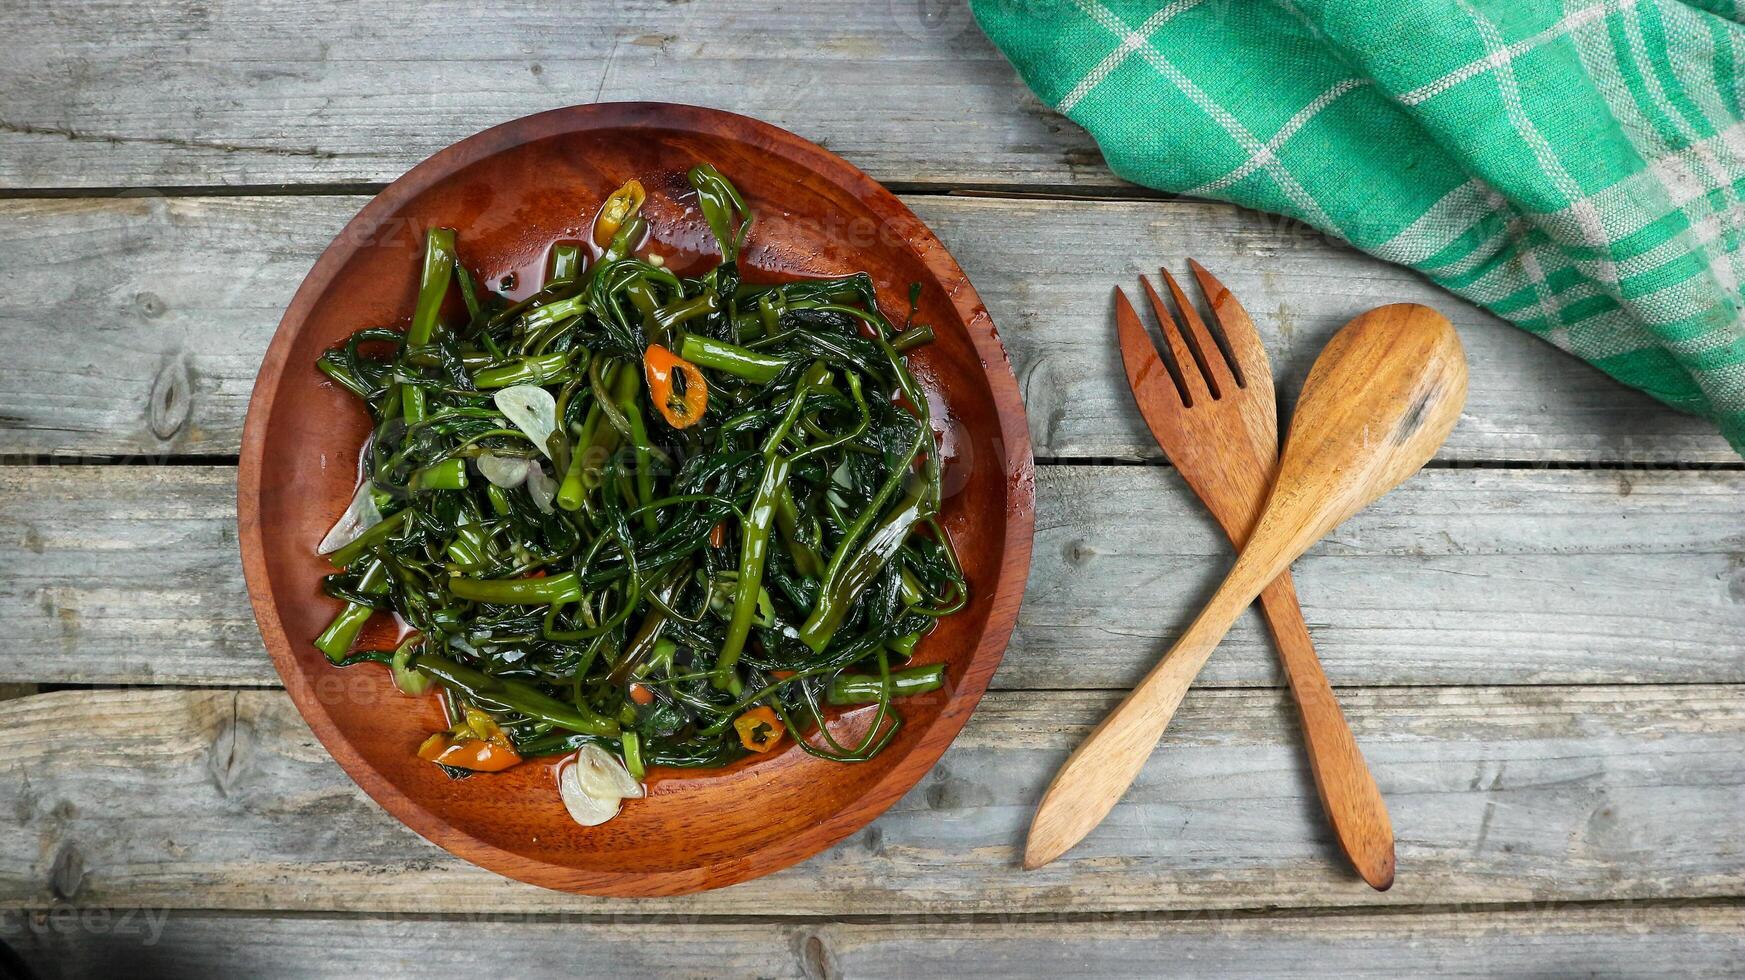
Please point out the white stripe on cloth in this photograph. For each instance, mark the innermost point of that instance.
(1269, 152)
(1457, 212)
(1738, 46)
(1294, 191)
(1587, 216)
(1494, 59)
(1506, 278)
(1716, 175)
(1548, 305)
(1453, 215)
(1709, 231)
(1130, 42)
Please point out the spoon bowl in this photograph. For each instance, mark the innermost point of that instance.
(1380, 400)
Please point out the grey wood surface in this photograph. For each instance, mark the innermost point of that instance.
(222, 799)
(1539, 651)
(176, 298)
(130, 575)
(1552, 941)
(214, 92)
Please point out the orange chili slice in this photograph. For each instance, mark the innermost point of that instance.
(467, 753)
(666, 372)
(759, 729)
(477, 743)
(641, 693)
(624, 202)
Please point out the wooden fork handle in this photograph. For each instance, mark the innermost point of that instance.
(1348, 792)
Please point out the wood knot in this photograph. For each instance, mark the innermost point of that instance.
(816, 960)
(1079, 553)
(150, 305)
(1043, 404)
(1413, 420)
(171, 399)
(948, 792)
(231, 756)
(66, 876)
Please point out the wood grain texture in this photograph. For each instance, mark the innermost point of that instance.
(130, 575)
(821, 216)
(136, 326)
(1381, 398)
(222, 799)
(1634, 940)
(1212, 409)
(268, 92)
(174, 300)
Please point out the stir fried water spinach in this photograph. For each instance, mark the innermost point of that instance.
(671, 517)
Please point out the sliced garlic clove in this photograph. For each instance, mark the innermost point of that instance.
(533, 411)
(507, 472)
(589, 811)
(542, 488)
(360, 515)
(603, 774)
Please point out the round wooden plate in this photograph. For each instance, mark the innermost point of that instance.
(511, 191)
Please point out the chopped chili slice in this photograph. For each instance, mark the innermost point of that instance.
(624, 202)
(641, 693)
(675, 386)
(467, 753)
(477, 743)
(759, 729)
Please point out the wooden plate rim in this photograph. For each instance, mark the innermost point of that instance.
(1018, 464)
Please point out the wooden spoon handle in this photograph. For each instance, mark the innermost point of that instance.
(1099, 771)
(1348, 792)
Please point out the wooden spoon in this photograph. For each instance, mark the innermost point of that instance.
(1379, 401)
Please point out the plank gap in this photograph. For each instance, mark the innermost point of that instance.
(1259, 913)
(1061, 462)
(1012, 191)
(44, 459)
(369, 189)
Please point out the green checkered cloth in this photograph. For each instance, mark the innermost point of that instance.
(1576, 168)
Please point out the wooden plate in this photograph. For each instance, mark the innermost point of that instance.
(511, 191)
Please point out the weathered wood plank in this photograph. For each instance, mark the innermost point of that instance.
(130, 575)
(1578, 941)
(222, 799)
(268, 92)
(1456, 577)
(137, 324)
(1047, 269)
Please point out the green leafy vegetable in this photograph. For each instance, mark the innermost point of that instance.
(720, 494)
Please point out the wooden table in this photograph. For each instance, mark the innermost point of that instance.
(1538, 640)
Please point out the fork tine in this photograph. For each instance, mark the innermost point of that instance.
(1145, 367)
(1236, 333)
(1191, 376)
(1207, 353)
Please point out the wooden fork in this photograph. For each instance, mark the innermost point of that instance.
(1209, 402)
